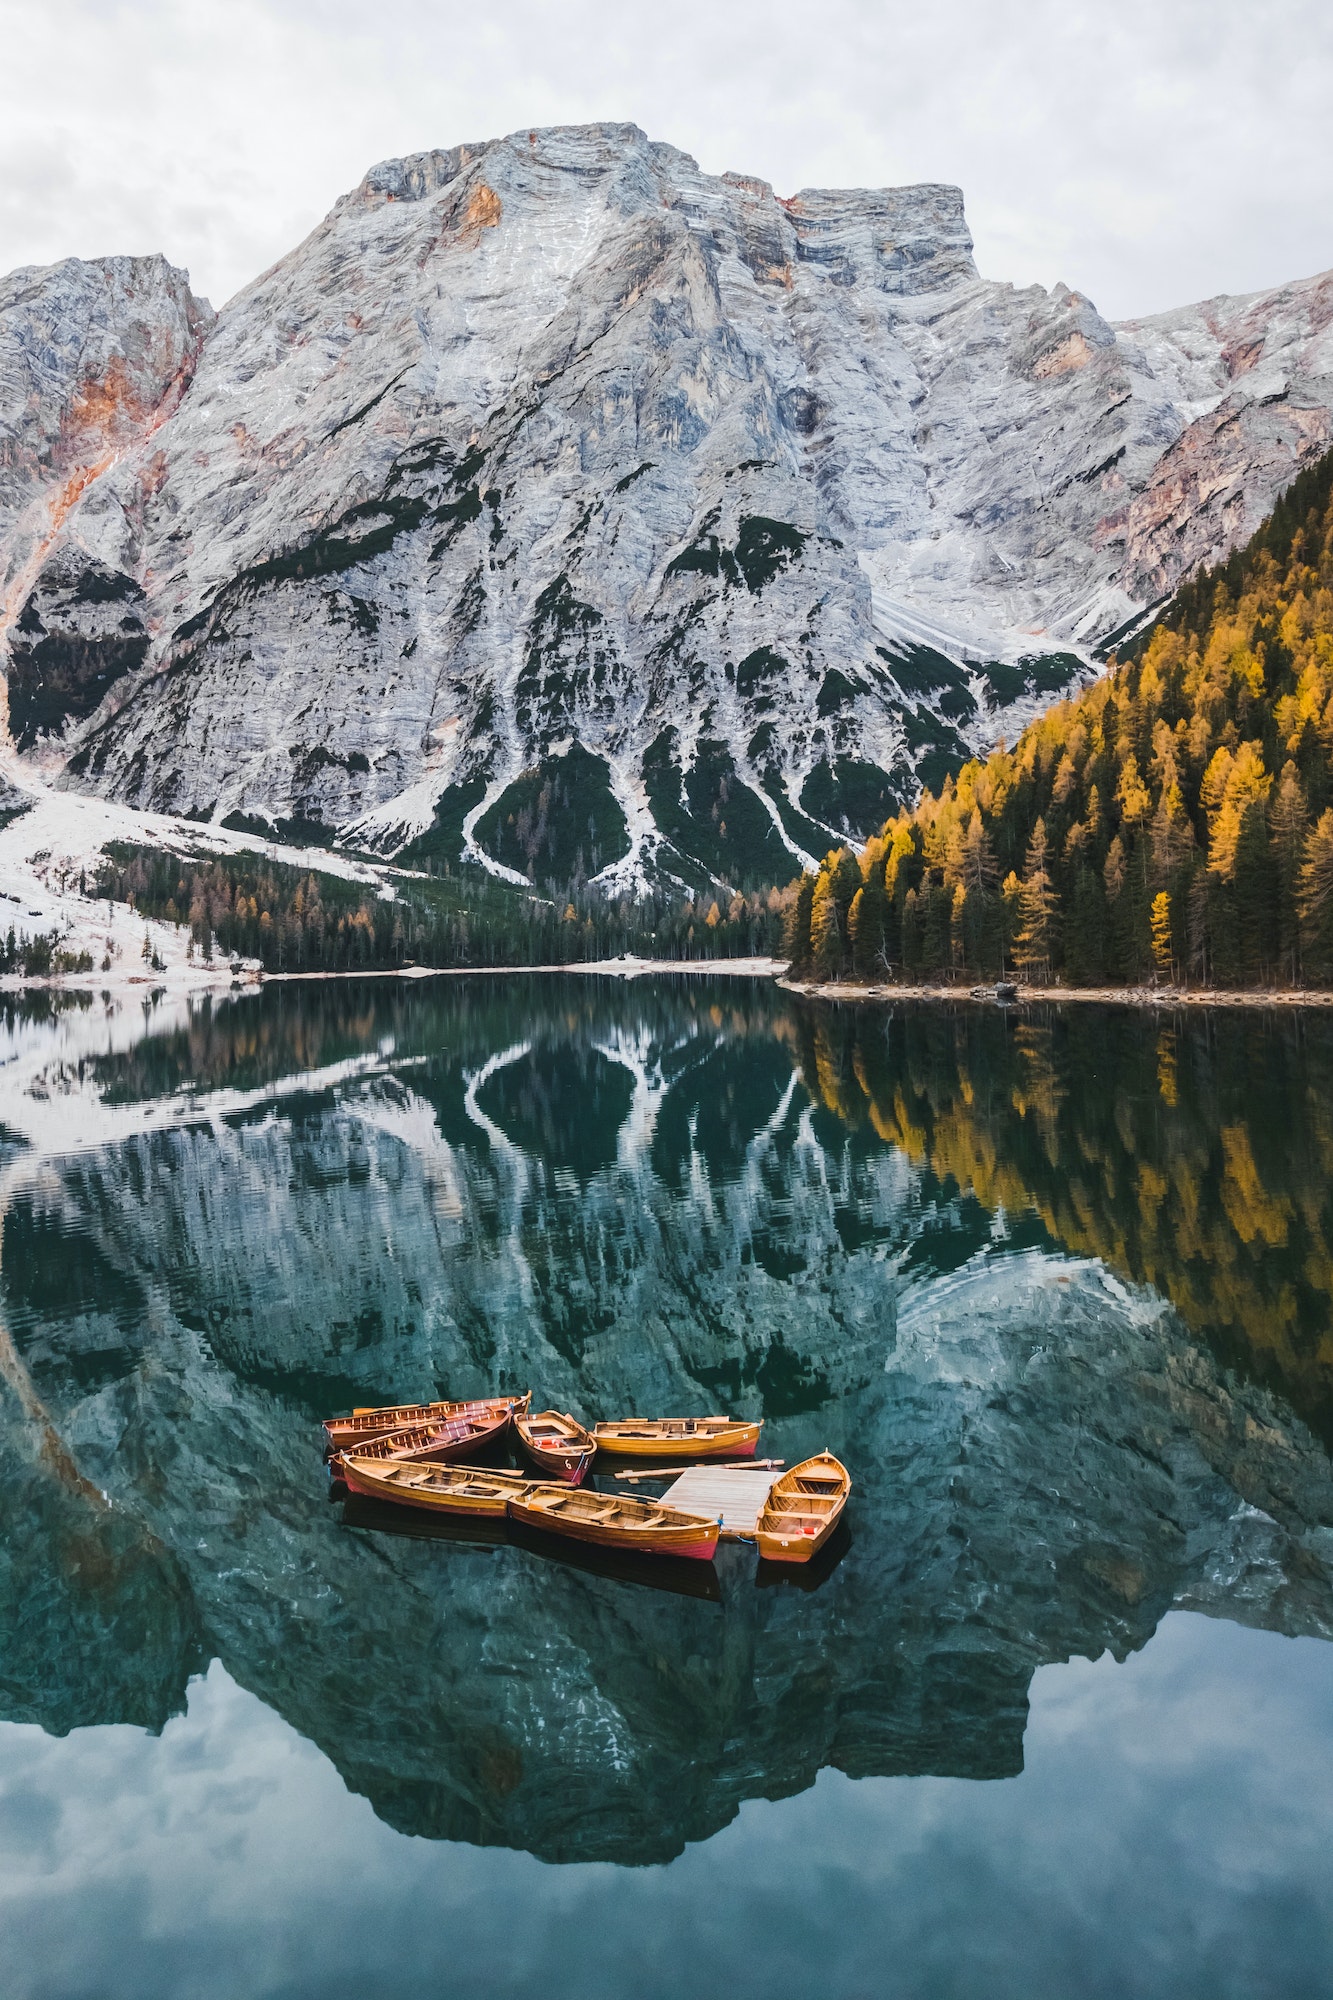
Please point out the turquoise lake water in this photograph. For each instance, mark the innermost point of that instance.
(1055, 1714)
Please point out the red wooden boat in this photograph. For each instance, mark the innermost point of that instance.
(349, 1433)
(460, 1436)
(557, 1444)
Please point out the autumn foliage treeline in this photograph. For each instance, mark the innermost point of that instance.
(1174, 820)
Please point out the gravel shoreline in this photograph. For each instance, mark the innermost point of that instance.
(1157, 998)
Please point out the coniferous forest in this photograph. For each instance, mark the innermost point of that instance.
(1173, 821)
(304, 920)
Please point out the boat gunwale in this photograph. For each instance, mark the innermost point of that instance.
(432, 1485)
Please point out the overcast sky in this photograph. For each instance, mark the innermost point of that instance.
(1149, 152)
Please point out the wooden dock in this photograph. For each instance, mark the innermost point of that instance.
(734, 1498)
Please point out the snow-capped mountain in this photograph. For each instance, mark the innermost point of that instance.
(557, 499)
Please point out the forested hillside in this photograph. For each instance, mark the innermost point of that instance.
(1175, 819)
(303, 920)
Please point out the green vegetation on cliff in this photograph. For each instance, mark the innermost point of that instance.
(1173, 820)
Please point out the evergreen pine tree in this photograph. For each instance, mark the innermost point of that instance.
(1162, 949)
(957, 936)
(1085, 929)
(980, 871)
(1255, 890)
(911, 934)
(935, 927)
(1039, 906)
(1315, 898)
(1011, 918)
(1289, 824)
(866, 923)
(825, 932)
(854, 912)
(796, 925)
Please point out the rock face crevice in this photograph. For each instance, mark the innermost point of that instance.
(544, 442)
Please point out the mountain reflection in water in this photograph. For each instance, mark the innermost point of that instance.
(1056, 1287)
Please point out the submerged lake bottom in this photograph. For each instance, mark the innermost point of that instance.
(1053, 1714)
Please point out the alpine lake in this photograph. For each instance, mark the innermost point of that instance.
(1051, 1715)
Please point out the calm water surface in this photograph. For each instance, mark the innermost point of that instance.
(1055, 1714)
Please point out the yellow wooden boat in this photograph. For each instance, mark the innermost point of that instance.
(678, 1438)
(616, 1521)
(346, 1433)
(803, 1509)
(442, 1489)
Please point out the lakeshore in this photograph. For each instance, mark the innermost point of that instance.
(198, 978)
(1153, 998)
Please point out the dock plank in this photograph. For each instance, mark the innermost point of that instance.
(734, 1498)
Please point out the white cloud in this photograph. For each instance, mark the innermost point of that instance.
(1149, 154)
(1169, 1836)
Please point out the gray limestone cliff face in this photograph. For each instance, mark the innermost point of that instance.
(94, 356)
(728, 519)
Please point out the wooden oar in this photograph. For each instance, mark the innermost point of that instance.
(712, 1465)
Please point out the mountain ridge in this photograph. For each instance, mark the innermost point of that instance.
(557, 502)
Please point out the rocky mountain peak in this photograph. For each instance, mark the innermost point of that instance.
(908, 239)
(562, 506)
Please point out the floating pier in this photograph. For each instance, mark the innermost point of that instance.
(736, 1499)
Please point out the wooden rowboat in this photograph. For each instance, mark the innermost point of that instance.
(462, 1435)
(678, 1437)
(347, 1433)
(558, 1444)
(803, 1509)
(443, 1489)
(616, 1521)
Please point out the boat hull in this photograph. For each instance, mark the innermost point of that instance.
(677, 1576)
(795, 1548)
(696, 1540)
(567, 1469)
